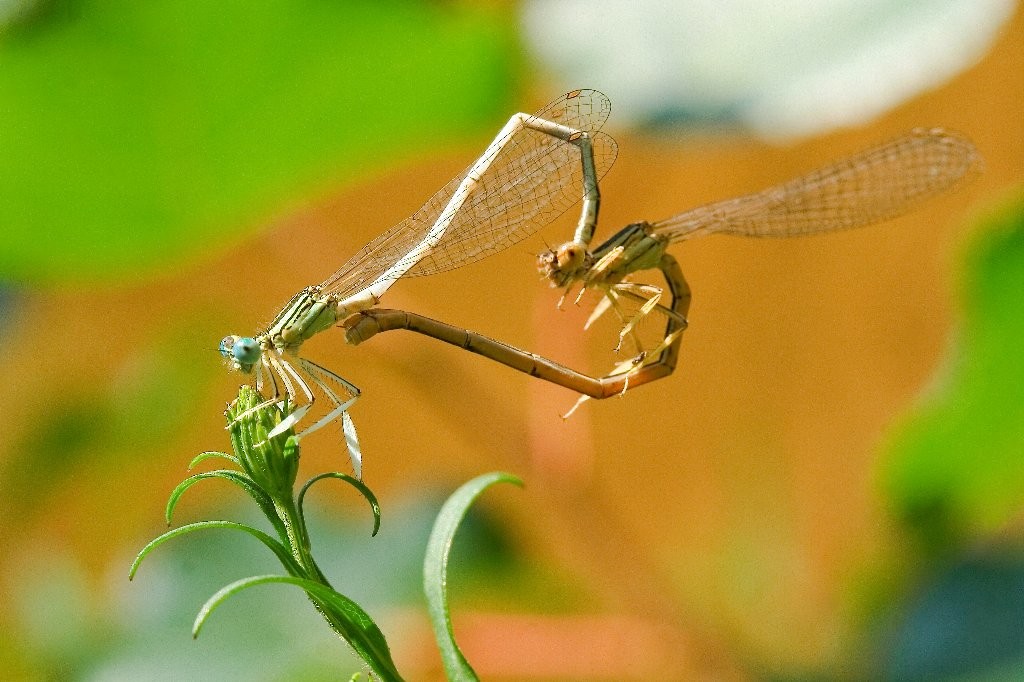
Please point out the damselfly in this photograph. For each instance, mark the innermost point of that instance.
(874, 185)
(536, 168)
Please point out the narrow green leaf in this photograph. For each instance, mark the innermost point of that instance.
(356, 483)
(203, 456)
(357, 627)
(435, 570)
(276, 547)
(255, 492)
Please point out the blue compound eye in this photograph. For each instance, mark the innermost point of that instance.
(246, 350)
(226, 346)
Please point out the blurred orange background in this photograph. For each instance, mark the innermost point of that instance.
(724, 523)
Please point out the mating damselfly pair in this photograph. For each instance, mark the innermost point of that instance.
(536, 168)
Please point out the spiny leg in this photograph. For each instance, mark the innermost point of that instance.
(667, 351)
(669, 348)
(565, 294)
(649, 296)
(614, 295)
(627, 367)
(317, 373)
(259, 376)
(273, 377)
(289, 389)
(284, 370)
(259, 380)
(611, 300)
(598, 268)
(603, 264)
(603, 305)
(310, 398)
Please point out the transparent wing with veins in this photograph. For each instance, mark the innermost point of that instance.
(531, 181)
(874, 185)
(877, 184)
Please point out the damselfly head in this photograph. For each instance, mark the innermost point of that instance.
(560, 266)
(241, 352)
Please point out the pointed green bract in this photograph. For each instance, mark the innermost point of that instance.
(272, 463)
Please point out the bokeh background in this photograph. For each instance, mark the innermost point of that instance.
(830, 486)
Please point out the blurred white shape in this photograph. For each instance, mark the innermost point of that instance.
(784, 68)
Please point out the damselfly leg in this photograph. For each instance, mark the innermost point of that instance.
(660, 361)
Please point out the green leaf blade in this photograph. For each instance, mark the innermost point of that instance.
(211, 454)
(435, 570)
(363, 489)
(264, 502)
(356, 626)
(276, 547)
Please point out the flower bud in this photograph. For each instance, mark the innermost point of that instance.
(272, 463)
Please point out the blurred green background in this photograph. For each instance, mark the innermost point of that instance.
(830, 486)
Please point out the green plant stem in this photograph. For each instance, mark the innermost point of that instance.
(301, 549)
(298, 539)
